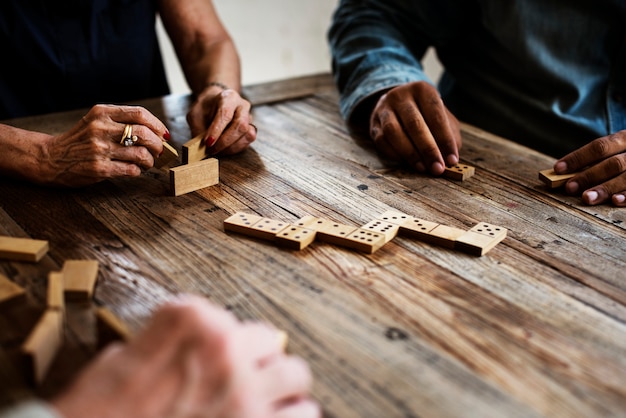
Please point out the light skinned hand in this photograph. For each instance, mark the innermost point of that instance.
(411, 124)
(225, 118)
(602, 163)
(193, 360)
(90, 151)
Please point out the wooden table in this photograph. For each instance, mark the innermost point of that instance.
(536, 327)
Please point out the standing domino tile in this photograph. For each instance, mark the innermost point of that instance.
(480, 239)
(42, 344)
(55, 291)
(295, 237)
(553, 180)
(110, 327)
(79, 279)
(194, 150)
(188, 178)
(459, 172)
(169, 154)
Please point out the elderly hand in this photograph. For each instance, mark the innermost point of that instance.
(193, 360)
(91, 152)
(603, 175)
(227, 115)
(410, 123)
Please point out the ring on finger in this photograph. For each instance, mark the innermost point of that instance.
(256, 130)
(128, 139)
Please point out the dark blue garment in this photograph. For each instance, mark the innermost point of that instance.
(61, 55)
(550, 74)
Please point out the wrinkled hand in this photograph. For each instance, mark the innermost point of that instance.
(603, 175)
(193, 360)
(410, 123)
(225, 118)
(90, 152)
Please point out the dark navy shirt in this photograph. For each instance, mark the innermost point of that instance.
(61, 55)
(550, 74)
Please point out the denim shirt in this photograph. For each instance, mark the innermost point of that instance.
(550, 74)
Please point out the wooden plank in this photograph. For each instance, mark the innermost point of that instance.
(22, 249)
(80, 278)
(187, 178)
(10, 293)
(553, 180)
(42, 345)
(168, 156)
(56, 291)
(194, 150)
(459, 172)
(110, 328)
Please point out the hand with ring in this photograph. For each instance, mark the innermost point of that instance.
(92, 150)
(224, 117)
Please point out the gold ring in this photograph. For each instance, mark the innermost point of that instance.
(127, 137)
(256, 130)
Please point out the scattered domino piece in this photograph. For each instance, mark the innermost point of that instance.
(459, 172)
(194, 150)
(194, 176)
(110, 327)
(22, 249)
(480, 239)
(266, 228)
(55, 295)
(240, 222)
(553, 180)
(329, 231)
(364, 240)
(443, 235)
(42, 345)
(295, 237)
(417, 228)
(393, 217)
(388, 229)
(169, 154)
(79, 278)
(10, 292)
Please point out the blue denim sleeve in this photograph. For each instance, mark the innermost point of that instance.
(369, 51)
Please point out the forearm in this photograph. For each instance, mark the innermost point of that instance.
(369, 54)
(22, 153)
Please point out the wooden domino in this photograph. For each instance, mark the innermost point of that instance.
(79, 279)
(394, 217)
(460, 172)
(295, 237)
(10, 292)
(168, 155)
(55, 292)
(254, 226)
(388, 229)
(364, 240)
(443, 236)
(283, 339)
(326, 230)
(42, 344)
(194, 150)
(22, 249)
(553, 180)
(417, 228)
(187, 178)
(110, 328)
(240, 222)
(480, 239)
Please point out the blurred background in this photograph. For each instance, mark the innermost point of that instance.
(276, 39)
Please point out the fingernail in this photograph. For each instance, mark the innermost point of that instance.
(560, 167)
(437, 168)
(592, 196)
(619, 198)
(210, 141)
(167, 136)
(452, 159)
(571, 187)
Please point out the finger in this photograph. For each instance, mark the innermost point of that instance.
(238, 130)
(286, 377)
(439, 123)
(388, 133)
(137, 155)
(258, 342)
(301, 408)
(241, 144)
(143, 136)
(605, 191)
(137, 115)
(619, 199)
(589, 154)
(606, 170)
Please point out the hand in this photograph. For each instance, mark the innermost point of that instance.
(193, 360)
(227, 114)
(603, 178)
(90, 152)
(410, 123)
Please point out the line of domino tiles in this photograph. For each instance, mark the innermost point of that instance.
(369, 237)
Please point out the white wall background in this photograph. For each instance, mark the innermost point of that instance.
(276, 39)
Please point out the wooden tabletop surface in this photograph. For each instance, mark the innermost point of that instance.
(536, 327)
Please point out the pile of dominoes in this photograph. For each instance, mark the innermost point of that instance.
(74, 283)
(369, 237)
